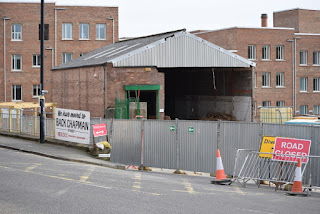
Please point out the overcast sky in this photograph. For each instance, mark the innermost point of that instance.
(144, 17)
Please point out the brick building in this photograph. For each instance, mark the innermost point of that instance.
(176, 74)
(70, 31)
(287, 56)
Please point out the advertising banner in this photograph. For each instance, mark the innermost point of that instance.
(291, 146)
(72, 125)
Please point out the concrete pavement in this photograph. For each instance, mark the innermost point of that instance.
(53, 148)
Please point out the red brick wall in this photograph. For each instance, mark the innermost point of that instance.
(82, 88)
(310, 98)
(28, 14)
(304, 21)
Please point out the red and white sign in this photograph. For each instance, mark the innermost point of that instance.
(291, 146)
(99, 130)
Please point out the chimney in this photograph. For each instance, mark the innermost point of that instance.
(264, 20)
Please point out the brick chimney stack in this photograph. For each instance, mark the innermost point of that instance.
(264, 20)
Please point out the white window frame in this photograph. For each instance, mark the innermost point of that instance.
(303, 109)
(36, 88)
(316, 84)
(16, 35)
(303, 58)
(251, 52)
(304, 86)
(14, 58)
(65, 28)
(98, 30)
(280, 79)
(280, 52)
(64, 57)
(82, 32)
(38, 60)
(14, 93)
(265, 52)
(316, 109)
(280, 103)
(316, 58)
(266, 79)
(266, 103)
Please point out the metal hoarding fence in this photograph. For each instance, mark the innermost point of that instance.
(126, 142)
(160, 144)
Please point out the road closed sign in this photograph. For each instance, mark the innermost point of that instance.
(290, 146)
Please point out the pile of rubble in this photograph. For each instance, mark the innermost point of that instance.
(219, 116)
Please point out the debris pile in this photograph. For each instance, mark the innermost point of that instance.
(219, 116)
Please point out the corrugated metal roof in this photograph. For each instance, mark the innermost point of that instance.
(170, 49)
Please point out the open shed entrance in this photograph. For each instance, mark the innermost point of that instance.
(143, 100)
(193, 93)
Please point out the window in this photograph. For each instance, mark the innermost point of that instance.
(66, 57)
(280, 79)
(84, 31)
(316, 58)
(303, 109)
(46, 31)
(266, 52)
(279, 52)
(316, 84)
(66, 31)
(266, 79)
(251, 52)
(16, 62)
(16, 93)
(101, 31)
(303, 84)
(303, 57)
(36, 90)
(280, 104)
(16, 32)
(36, 60)
(316, 109)
(266, 103)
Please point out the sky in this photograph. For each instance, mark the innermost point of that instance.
(145, 17)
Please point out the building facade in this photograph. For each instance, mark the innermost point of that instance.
(287, 58)
(70, 32)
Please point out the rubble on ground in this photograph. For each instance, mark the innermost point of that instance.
(219, 116)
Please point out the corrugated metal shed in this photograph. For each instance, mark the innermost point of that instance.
(166, 50)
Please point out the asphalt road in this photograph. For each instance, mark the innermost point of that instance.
(36, 184)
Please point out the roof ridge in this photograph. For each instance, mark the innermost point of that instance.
(158, 34)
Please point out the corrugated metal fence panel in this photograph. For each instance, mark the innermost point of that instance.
(126, 142)
(281, 130)
(198, 144)
(234, 136)
(160, 144)
(314, 164)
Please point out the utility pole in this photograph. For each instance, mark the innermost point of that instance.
(42, 105)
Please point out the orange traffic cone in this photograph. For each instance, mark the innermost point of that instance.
(220, 175)
(297, 182)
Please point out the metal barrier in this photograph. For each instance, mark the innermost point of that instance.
(258, 166)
